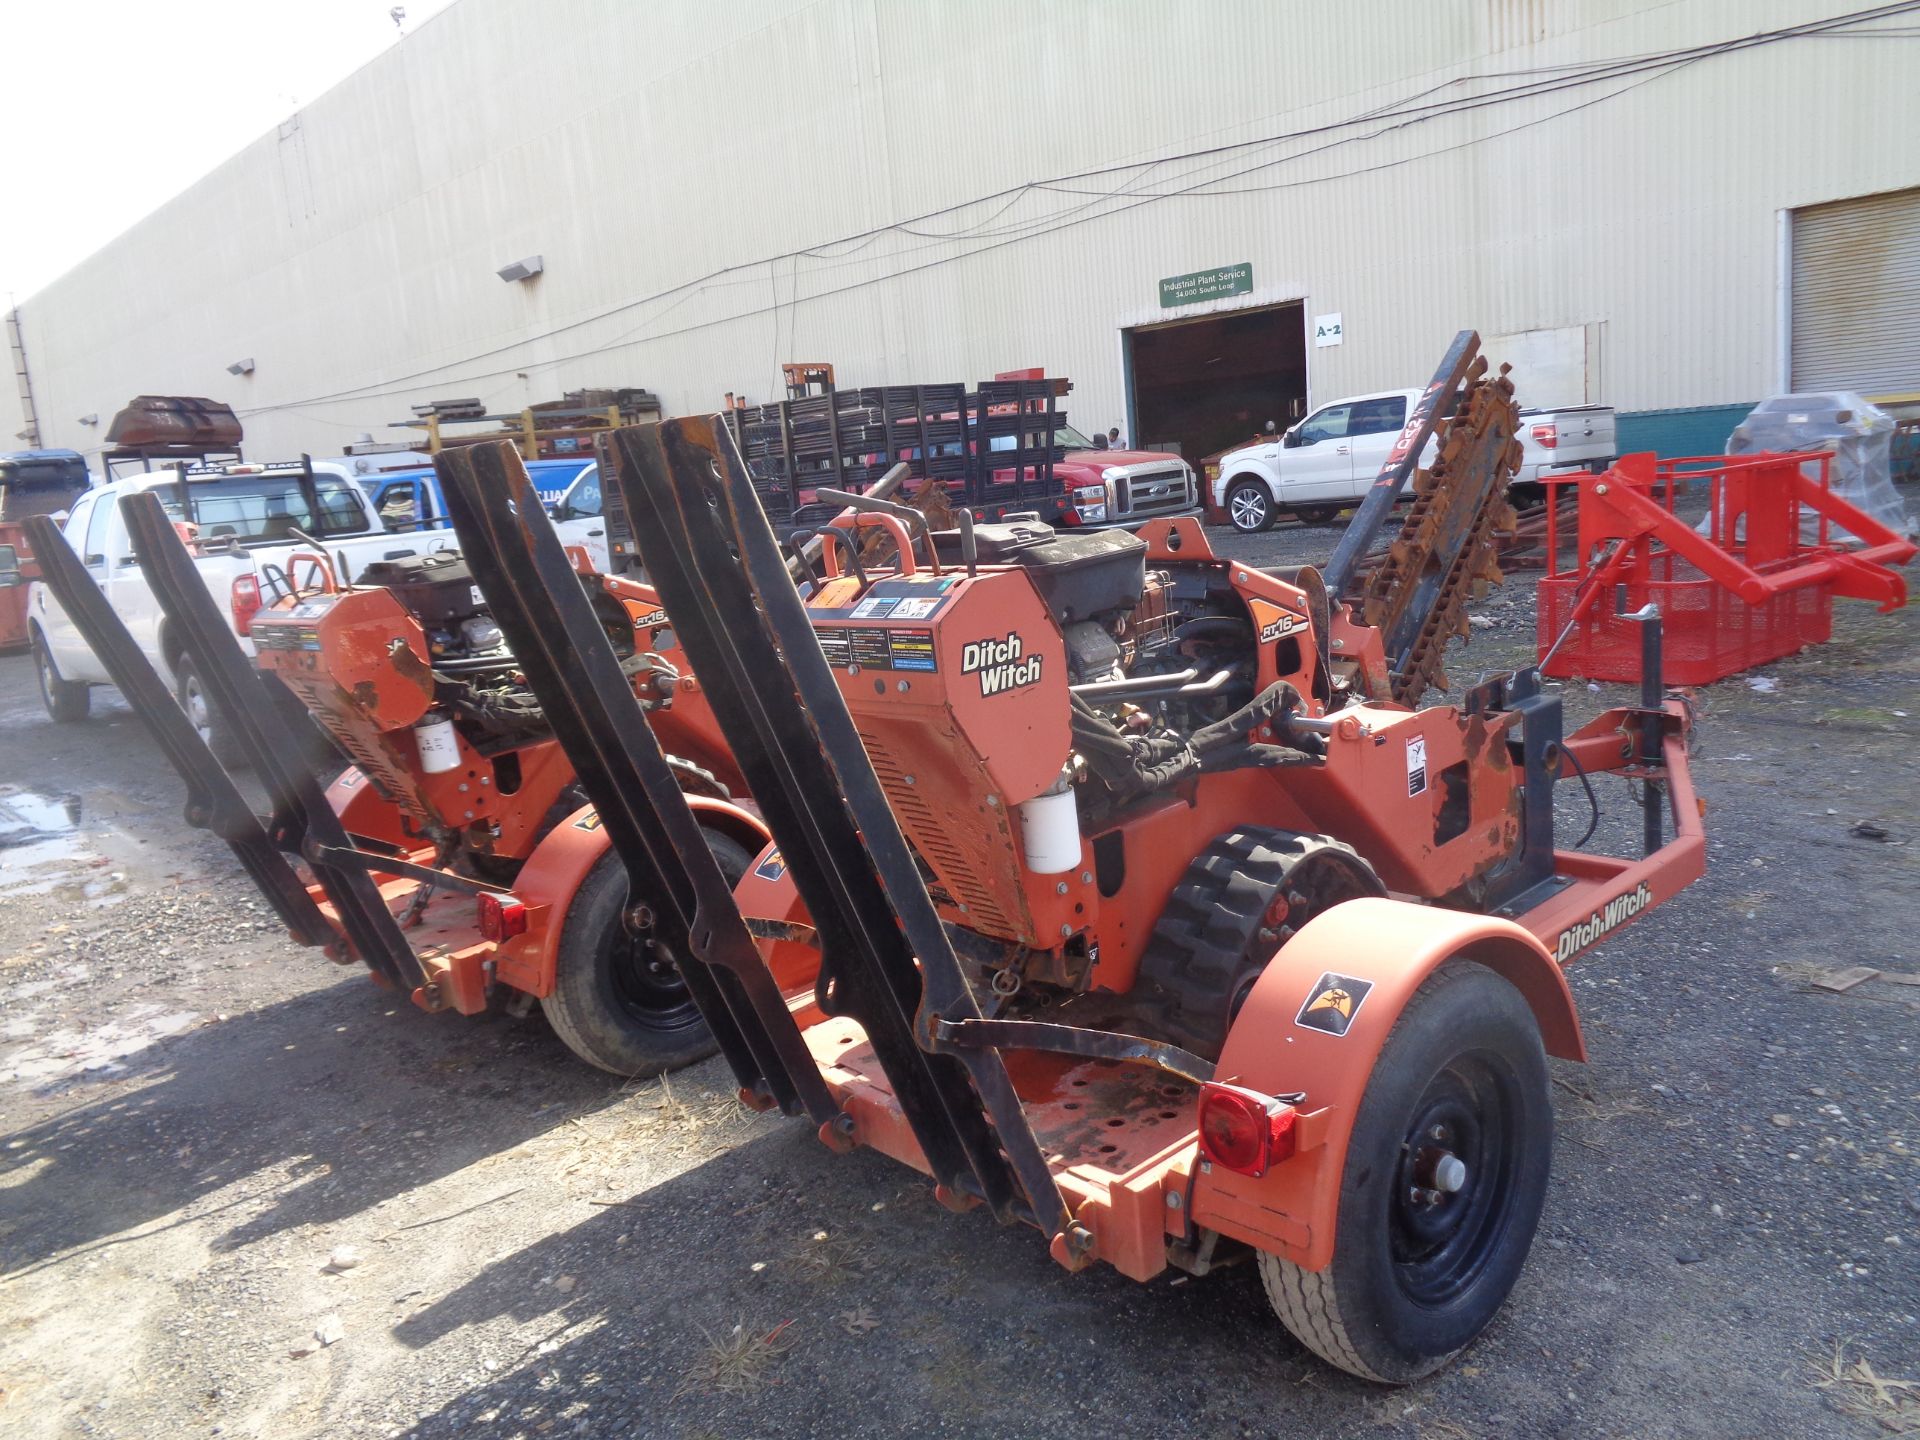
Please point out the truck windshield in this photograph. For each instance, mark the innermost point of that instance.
(1065, 436)
(266, 509)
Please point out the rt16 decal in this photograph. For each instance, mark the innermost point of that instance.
(1283, 626)
(1333, 1002)
(1616, 911)
(1002, 665)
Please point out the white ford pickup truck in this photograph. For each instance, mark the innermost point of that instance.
(1326, 462)
(245, 516)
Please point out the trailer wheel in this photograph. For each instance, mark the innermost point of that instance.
(1250, 507)
(205, 716)
(66, 700)
(1241, 899)
(1445, 1175)
(616, 1002)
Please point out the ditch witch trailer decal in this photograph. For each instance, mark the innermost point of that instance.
(1617, 911)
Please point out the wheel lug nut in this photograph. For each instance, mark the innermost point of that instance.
(1438, 1132)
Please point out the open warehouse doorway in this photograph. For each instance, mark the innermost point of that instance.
(1207, 384)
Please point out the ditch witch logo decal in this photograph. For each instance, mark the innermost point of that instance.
(1617, 911)
(1333, 1002)
(1002, 665)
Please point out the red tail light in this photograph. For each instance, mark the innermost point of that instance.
(1546, 436)
(245, 602)
(502, 917)
(1243, 1130)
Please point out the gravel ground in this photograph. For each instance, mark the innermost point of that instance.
(198, 1117)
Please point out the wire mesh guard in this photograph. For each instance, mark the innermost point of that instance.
(1710, 632)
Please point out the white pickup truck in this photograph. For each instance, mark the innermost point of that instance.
(245, 516)
(1326, 462)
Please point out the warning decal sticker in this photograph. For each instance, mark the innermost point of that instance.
(876, 647)
(1416, 766)
(1333, 1002)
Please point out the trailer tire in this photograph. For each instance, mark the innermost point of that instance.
(205, 716)
(67, 701)
(1250, 507)
(1413, 1280)
(611, 1004)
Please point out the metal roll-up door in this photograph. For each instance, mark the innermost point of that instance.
(1856, 295)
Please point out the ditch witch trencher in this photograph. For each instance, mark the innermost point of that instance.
(1117, 886)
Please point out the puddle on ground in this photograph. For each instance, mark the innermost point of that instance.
(41, 846)
(26, 817)
(101, 1051)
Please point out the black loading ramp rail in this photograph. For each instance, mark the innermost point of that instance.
(267, 723)
(711, 553)
(678, 899)
(214, 802)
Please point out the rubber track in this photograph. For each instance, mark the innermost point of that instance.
(1198, 949)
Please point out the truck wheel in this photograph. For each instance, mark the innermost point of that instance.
(204, 715)
(66, 700)
(1241, 899)
(1445, 1175)
(1250, 507)
(617, 1003)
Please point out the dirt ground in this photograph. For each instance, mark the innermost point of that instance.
(198, 1118)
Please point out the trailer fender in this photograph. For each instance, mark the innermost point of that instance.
(559, 864)
(1371, 956)
(365, 811)
(767, 893)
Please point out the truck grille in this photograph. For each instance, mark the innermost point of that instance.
(1156, 491)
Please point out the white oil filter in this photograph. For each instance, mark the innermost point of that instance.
(439, 746)
(1050, 831)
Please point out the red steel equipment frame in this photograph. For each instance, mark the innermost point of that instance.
(1756, 585)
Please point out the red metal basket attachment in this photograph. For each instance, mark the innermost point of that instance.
(1755, 582)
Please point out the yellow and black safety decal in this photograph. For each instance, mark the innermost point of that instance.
(588, 821)
(1333, 1002)
(772, 866)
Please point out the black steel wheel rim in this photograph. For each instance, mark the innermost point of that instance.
(647, 985)
(1441, 1242)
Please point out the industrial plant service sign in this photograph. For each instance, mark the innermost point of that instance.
(1207, 285)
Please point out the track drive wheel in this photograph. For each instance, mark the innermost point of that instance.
(618, 1002)
(1241, 900)
(1445, 1175)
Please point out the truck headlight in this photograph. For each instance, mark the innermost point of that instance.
(1091, 503)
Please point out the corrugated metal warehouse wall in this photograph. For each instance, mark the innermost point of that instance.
(642, 150)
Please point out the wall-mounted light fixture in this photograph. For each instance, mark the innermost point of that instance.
(89, 419)
(522, 269)
(241, 367)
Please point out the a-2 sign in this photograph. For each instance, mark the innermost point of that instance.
(1327, 329)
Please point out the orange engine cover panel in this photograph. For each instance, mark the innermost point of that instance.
(958, 685)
